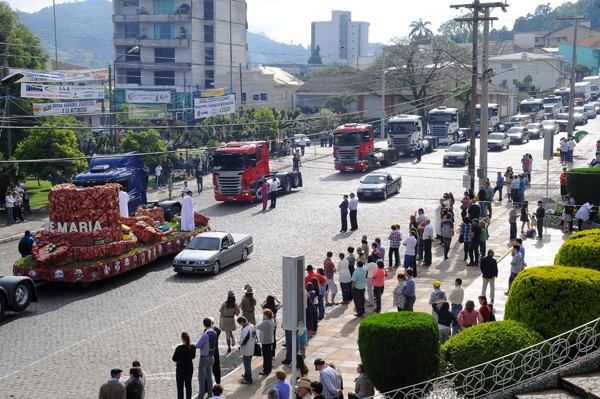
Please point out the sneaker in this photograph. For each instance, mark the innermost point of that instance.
(245, 382)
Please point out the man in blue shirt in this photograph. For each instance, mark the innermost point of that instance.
(329, 378)
(409, 291)
(499, 185)
(359, 282)
(521, 189)
(207, 344)
(282, 385)
(26, 244)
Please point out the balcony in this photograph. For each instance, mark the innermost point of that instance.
(152, 66)
(120, 39)
(152, 18)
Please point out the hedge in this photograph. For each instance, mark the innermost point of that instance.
(554, 299)
(399, 349)
(581, 249)
(583, 184)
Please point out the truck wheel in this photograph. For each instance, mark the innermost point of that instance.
(287, 185)
(22, 296)
(2, 306)
(245, 255)
(216, 267)
(295, 180)
(258, 195)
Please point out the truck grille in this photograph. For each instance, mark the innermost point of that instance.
(439, 131)
(348, 156)
(229, 185)
(401, 143)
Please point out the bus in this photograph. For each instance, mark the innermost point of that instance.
(493, 117)
(533, 107)
(564, 93)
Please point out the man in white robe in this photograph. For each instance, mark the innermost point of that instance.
(123, 203)
(187, 213)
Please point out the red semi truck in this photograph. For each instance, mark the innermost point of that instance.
(239, 169)
(354, 148)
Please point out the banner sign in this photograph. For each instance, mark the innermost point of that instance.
(74, 107)
(147, 111)
(78, 75)
(216, 92)
(211, 106)
(55, 92)
(147, 97)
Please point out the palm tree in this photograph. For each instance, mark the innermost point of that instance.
(419, 29)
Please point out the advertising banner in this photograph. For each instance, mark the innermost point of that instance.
(55, 92)
(79, 75)
(216, 92)
(147, 111)
(147, 97)
(74, 107)
(211, 106)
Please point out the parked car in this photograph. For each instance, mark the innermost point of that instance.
(563, 121)
(596, 105)
(550, 126)
(579, 116)
(536, 130)
(498, 141)
(379, 185)
(590, 110)
(16, 293)
(210, 251)
(518, 135)
(457, 154)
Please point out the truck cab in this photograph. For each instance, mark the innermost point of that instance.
(403, 133)
(353, 143)
(533, 107)
(442, 123)
(493, 118)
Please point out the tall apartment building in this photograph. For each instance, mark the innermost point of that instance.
(341, 40)
(183, 44)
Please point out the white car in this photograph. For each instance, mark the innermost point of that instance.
(550, 126)
(590, 110)
(536, 131)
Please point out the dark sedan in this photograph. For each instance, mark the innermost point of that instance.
(457, 154)
(379, 185)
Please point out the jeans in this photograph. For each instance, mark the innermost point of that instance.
(247, 360)
(511, 279)
(474, 251)
(184, 378)
(420, 250)
(200, 185)
(267, 355)
(410, 302)
(492, 283)
(444, 333)
(378, 291)
(358, 295)
(447, 241)
(466, 247)
(540, 227)
(514, 194)
(482, 248)
(344, 216)
(302, 149)
(9, 214)
(320, 307)
(158, 181)
(273, 198)
(513, 231)
(410, 262)
(455, 308)
(499, 189)
(346, 291)
(205, 375)
(570, 156)
(395, 252)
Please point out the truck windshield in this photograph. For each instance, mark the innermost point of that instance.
(529, 108)
(349, 138)
(230, 162)
(440, 118)
(551, 101)
(401, 127)
(204, 244)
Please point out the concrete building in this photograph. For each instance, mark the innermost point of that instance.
(547, 71)
(183, 44)
(340, 40)
(588, 53)
(271, 87)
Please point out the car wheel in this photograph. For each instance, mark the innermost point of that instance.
(22, 296)
(443, 163)
(397, 188)
(507, 146)
(216, 267)
(2, 306)
(245, 255)
(385, 194)
(466, 162)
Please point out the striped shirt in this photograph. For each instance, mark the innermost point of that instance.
(395, 237)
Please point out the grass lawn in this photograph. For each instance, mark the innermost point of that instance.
(38, 194)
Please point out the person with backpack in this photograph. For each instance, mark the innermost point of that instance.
(26, 244)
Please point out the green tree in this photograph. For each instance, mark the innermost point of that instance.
(337, 69)
(325, 119)
(145, 141)
(315, 56)
(25, 49)
(267, 126)
(340, 103)
(419, 30)
(458, 31)
(49, 142)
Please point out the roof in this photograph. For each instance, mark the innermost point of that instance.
(280, 76)
(593, 42)
(240, 146)
(530, 56)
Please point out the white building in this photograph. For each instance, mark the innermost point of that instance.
(547, 71)
(265, 86)
(183, 44)
(340, 40)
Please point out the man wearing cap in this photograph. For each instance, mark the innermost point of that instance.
(207, 344)
(303, 389)
(247, 340)
(437, 297)
(113, 388)
(353, 208)
(329, 378)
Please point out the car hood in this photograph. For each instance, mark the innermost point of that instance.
(195, 254)
(495, 141)
(455, 154)
(515, 134)
(371, 186)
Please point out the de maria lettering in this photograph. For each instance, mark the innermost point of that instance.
(72, 227)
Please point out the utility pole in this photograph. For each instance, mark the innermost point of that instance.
(476, 9)
(383, 114)
(576, 20)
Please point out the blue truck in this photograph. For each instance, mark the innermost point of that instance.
(128, 171)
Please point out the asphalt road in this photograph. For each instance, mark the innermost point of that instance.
(65, 345)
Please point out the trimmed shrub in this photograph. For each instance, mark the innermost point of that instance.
(554, 299)
(581, 249)
(487, 341)
(399, 348)
(583, 184)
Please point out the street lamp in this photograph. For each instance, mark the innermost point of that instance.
(112, 83)
(7, 81)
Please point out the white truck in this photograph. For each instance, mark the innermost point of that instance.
(533, 107)
(442, 123)
(493, 118)
(583, 93)
(594, 85)
(552, 106)
(403, 133)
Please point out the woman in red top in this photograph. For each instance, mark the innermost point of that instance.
(563, 182)
(378, 278)
(484, 309)
(468, 317)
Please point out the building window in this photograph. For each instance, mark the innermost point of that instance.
(131, 3)
(209, 56)
(244, 98)
(506, 66)
(164, 54)
(164, 31)
(131, 31)
(209, 10)
(209, 34)
(209, 83)
(164, 6)
(209, 74)
(259, 97)
(134, 57)
(133, 76)
(164, 78)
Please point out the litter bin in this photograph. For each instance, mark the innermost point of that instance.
(579, 135)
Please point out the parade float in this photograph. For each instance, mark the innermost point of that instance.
(86, 239)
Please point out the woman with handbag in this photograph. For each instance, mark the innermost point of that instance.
(266, 329)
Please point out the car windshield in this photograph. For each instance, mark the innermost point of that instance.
(578, 109)
(204, 244)
(457, 148)
(548, 123)
(533, 126)
(378, 179)
(496, 136)
(515, 130)
(562, 116)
